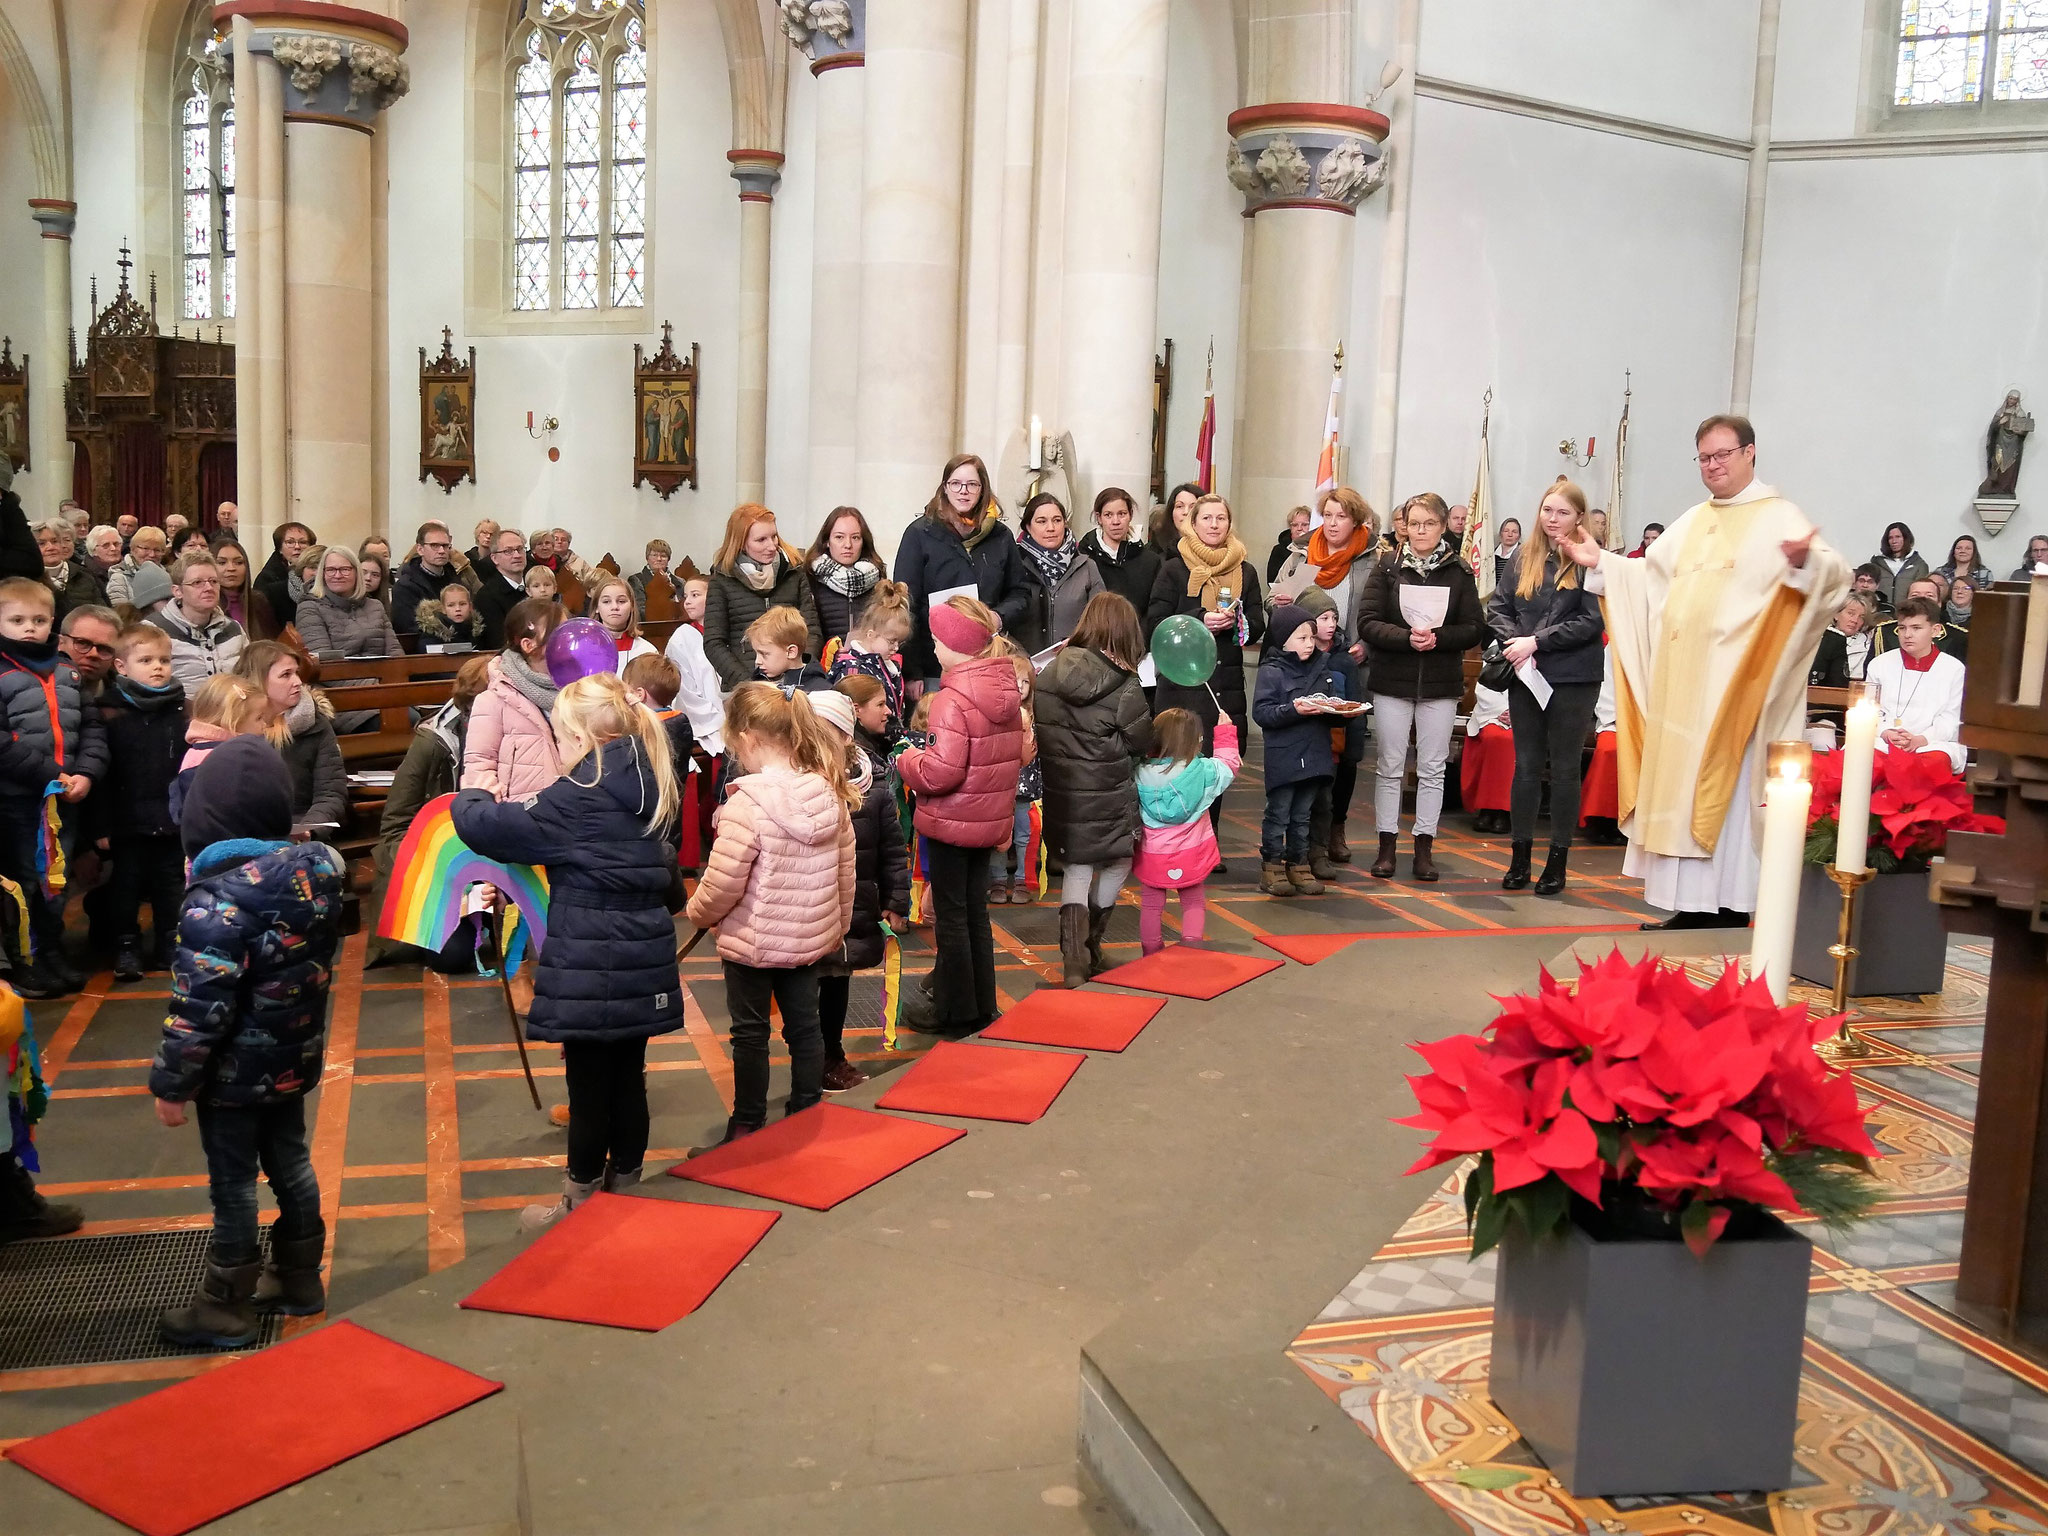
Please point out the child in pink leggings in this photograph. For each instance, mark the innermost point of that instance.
(1178, 847)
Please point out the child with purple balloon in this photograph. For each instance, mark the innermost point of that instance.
(509, 748)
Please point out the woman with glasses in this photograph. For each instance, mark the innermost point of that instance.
(2037, 554)
(958, 548)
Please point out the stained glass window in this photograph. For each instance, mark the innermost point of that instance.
(206, 186)
(579, 162)
(1947, 48)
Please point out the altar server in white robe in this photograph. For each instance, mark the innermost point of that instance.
(1919, 688)
(1711, 635)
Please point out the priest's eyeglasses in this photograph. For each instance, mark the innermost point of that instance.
(1716, 460)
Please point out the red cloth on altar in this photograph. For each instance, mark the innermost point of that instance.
(1486, 772)
(1598, 795)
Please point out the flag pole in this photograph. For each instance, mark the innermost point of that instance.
(1616, 538)
(1205, 435)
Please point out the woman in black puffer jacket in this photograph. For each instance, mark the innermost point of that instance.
(881, 885)
(1544, 612)
(1417, 674)
(1094, 729)
(753, 573)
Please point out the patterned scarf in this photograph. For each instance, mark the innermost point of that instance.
(757, 578)
(1051, 563)
(849, 581)
(1424, 565)
(1209, 570)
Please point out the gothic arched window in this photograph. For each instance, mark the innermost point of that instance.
(206, 181)
(1971, 52)
(579, 155)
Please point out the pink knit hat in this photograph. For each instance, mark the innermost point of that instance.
(956, 631)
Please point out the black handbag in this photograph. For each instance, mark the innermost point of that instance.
(1495, 671)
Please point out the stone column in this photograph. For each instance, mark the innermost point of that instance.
(1109, 293)
(757, 171)
(1303, 169)
(1393, 297)
(49, 444)
(837, 52)
(320, 85)
(912, 156)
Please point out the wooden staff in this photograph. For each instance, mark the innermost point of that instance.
(511, 1013)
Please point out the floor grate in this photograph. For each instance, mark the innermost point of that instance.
(96, 1300)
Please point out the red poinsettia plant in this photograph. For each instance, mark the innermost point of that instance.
(1639, 1091)
(1916, 800)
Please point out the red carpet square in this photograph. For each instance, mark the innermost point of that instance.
(983, 1082)
(1182, 972)
(270, 1420)
(819, 1157)
(1091, 1021)
(625, 1261)
(1308, 948)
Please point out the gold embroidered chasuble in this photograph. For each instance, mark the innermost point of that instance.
(1712, 634)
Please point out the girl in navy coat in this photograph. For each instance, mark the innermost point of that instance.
(607, 977)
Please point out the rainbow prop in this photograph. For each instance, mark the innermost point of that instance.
(920, 878)
(1032, 864)
(892, 985)
(434, 868)
(49, 846)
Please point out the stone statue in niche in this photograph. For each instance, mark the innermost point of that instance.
(2003, 445)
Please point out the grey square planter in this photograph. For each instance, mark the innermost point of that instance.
(1898, 932)
(1632, 1367)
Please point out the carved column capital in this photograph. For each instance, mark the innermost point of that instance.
(340, 65)
(55, 215)
(1305, 155)
(758, 171)
(832, 34)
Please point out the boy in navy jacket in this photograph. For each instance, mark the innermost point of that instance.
(1298, 757)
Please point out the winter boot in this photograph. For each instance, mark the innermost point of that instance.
(60, 970)
(1319, 862)
(1517, 877)
(535, 1217)
(733, 1132)
(1340, 850)
(1303, 878)
(291, 1281)
(1383, 866)
(621, 1178)
(1425, 861)
(222, 1315)
(1553, 872)
(1073, 943)
(1098, 930)
(1023, 893)
(1273, 879)
(128, 958)
(24, 1213)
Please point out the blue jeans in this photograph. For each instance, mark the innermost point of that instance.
(239, 1142)
(1283, 836)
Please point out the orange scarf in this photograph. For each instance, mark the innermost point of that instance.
(1333, 565)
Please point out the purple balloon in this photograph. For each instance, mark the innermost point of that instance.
(580, 648)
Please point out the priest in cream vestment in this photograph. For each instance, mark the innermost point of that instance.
(1711, 634)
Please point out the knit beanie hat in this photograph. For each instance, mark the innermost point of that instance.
(956, 631)
(241, 789)
(151, 583)
(836, 709)
(1315, 602)
(1287, 618)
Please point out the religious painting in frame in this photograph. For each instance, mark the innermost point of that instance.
(13, 404)
(665, 416)
(448, 415)
(1162, 391)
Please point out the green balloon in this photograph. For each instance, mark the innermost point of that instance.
(1184, 651)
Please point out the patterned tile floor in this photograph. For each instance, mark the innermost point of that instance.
(1911, 1423)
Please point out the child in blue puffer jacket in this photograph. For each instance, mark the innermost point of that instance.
(244, 1039)
(1177, 850)
(1298, 756)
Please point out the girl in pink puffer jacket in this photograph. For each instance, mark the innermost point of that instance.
(509, 746)
(784, 837)
(966, 787)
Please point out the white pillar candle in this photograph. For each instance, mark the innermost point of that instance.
(1787, 795)
(1037, 446)
(1859, 751)
(2034, 644)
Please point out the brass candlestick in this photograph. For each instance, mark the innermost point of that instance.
(1844, 1046)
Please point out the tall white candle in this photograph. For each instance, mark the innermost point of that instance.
(1859, 752)
(2034, 642)
(1787, 796)
(1037, 446)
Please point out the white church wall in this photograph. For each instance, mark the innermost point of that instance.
(1690, 66)
(21, 295)
(789, 313)
(1899, 302)
(1544, 261)
(1201, 232)
(585, 380)
(1820, 70)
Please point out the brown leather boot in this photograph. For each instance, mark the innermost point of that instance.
(1273, 880)
(1073, 944)
(1340, 850)
(1383, 866)
(1319, 861)
(1425, 861)
(1304, 880)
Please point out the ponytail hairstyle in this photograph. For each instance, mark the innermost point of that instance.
(229, 701)
(983, 615)
(531, 618)
(760, 710)
(886, 613)
(594, 710)
(258, 660)
(1178, 734)
(1537, 548)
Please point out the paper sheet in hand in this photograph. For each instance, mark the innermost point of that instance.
(1148, 672)
(1535, 682)
(940, 596)
(1040, 660)
(1425, 607)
